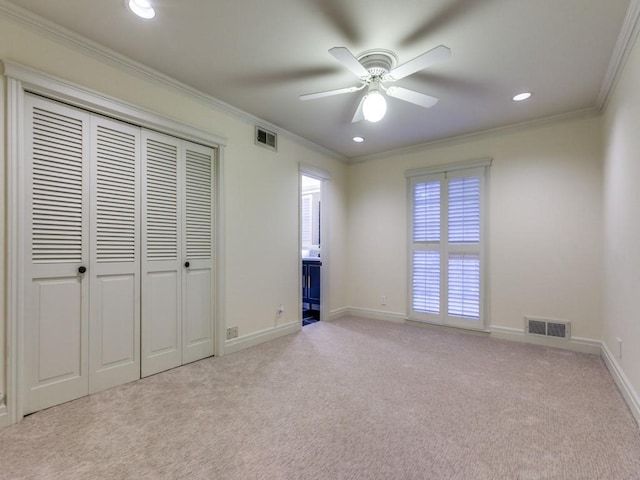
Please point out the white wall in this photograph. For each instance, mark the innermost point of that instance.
(260, 186)
(544, 228)
(622, 220)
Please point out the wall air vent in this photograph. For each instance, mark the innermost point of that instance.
(547, 328)
(266, 139)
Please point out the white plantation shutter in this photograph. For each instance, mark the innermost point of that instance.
(463, 269)
(446, 245)
(426, 281)
(464, 210)
(463, 288)
(306, 220)
(426, 212)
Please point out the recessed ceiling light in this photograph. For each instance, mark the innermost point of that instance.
(358, 139)
(141, 8)
(522, 96)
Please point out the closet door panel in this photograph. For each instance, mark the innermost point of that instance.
(115, 251)
(161, 262)
(198, 332)
(114, 320)
(56, 315)
(198, 221)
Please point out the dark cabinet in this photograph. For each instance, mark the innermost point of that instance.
(311, 288)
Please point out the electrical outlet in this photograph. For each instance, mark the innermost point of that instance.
(619, 340)
(280, 310)
(383, 300)
(232, 332)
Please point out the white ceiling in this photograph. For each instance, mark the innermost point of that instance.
(259, 55)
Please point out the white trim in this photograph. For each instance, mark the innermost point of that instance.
(58, 89)
(624, 45)
(256, 338)
(626, 388)
(88, 47)
(315, 172)
(395, 317)
(338, 313)
(574, 344)
(21, 79)
(449, 328)
(325, 227)
(506, 129)
(442, 174)
(220, 265)
(449, 167)
(16, 263)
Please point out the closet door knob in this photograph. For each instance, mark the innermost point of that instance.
(186, 264)
(82, 269)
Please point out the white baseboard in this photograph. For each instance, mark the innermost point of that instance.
(338, 313)
(262, 336)
(574, 344)
(625, 387)
(395, 317)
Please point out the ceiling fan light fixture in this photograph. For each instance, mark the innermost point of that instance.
(142, 8)
(358, 139)
(374, 106)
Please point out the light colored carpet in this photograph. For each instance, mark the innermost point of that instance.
(353, 399)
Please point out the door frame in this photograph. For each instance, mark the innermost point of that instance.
(325, 202)
(19, 80)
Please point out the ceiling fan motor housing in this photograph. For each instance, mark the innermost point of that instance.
(378, 62)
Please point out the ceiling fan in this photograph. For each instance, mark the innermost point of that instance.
(375, 68)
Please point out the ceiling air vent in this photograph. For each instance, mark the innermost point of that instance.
(547, 328)
(266, 139)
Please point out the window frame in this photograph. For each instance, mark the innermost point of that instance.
(442, 174)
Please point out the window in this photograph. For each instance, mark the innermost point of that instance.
(305, 220)
(446, 244)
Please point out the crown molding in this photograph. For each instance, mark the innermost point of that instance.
(514, 127)
(624, 45)
(110, 57)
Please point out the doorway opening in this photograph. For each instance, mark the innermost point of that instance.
(310, 242)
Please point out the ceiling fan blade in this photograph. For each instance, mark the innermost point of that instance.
(328, 93)
(425, 60)
(359, 115)
(346, 58)
(411, 96)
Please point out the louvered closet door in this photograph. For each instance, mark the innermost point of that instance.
(56, 333)
(197, 278)
(115, 254)
(161, 262)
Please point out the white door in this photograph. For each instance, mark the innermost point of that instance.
(56, 321)
(161, 252)
(114, 273)
(119, 223)
(177, 265)
(197, 278)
